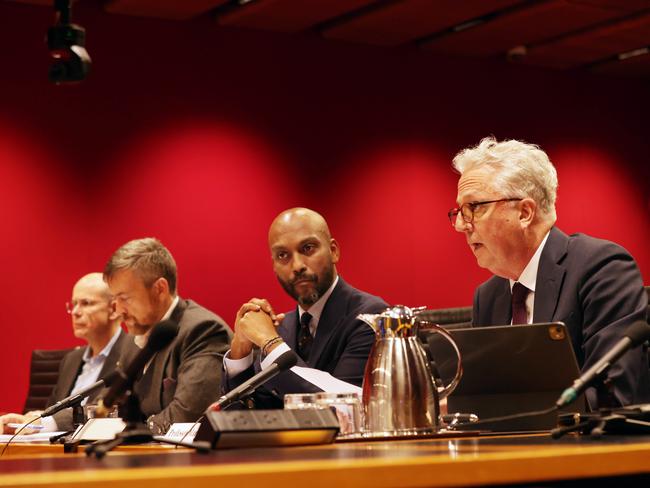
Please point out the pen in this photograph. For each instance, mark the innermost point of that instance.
(20, 426)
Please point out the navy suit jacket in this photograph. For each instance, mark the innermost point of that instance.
(341, 346)
(593, 286)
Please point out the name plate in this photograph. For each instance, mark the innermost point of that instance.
(98, 429)
(182, 431)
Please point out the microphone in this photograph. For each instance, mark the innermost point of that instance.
(285, 361)
(161, 335)
(77, 398)
(636, 334)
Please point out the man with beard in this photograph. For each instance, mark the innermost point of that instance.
(323, 329)
(183, 378)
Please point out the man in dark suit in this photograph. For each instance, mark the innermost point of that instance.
(506, 209)
(323, 329)
(94, 320)
(184, 377)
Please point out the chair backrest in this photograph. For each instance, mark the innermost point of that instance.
(449, 318)
(43, 375)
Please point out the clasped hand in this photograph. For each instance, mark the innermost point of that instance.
(255, 324)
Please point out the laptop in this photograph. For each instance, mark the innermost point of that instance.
(508, 370)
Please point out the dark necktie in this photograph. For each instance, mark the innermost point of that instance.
(305, 338)
(519, 294)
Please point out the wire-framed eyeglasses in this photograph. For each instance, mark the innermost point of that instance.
(83, 305)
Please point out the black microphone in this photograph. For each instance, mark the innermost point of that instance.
(161, 335)
(77, 398)
(636, 334)
(285, 361)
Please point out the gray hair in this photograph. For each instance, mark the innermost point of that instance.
(520, 170)
(148, 258)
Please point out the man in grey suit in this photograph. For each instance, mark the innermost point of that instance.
(506, 210)
(183, 378)
(94, 320)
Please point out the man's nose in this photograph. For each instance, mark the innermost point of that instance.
(298, 265)
(460, 225)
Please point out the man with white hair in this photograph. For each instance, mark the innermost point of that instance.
(506, 209)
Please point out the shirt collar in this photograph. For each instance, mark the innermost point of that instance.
(107, 348)
(141, 340)
(528, 276)
(317, 308)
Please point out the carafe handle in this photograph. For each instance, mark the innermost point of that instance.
(446, 390)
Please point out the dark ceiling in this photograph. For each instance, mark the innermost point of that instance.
(601, 36)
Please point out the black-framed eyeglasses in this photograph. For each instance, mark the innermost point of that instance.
(467, 209)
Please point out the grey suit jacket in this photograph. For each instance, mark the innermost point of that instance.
(593, 286)
(184, 378)
(70, 368)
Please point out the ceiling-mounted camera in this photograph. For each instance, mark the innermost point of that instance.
(67, 45)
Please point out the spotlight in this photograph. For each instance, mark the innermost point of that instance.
(66, 42)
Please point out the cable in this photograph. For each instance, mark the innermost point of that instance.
(18, 432)
(508, 417)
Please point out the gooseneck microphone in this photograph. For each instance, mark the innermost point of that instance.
(285, 361)
(161, 335)
(636, 334)
(77, 398)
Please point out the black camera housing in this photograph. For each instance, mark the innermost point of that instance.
(66, 43)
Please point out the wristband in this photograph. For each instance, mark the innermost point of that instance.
(269, 343)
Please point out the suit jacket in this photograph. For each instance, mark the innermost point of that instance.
(70, 368)
(593, 286)
(184, 378)
(341, 346)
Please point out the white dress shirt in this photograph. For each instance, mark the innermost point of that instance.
(90, 370)
(528, 278)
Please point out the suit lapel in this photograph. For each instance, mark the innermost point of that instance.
(333, 313)
(288, 329)
(550, 276)
(156, 371)
(71, 370)
(111, 361)
(502, 305)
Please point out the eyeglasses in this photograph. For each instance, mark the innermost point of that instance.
(467, 209)
(81, 304)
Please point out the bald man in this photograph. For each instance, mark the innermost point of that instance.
(95, 321)
(323, 329)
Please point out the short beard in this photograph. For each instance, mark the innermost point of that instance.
(321, 285)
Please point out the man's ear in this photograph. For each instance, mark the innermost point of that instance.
(113, 314)
(527, 212)
(161, 286)
(335, 250)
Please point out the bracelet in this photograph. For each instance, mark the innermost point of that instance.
(269, 343)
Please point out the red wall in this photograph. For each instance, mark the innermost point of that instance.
(200, 136)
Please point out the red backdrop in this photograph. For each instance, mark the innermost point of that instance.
(200, 136)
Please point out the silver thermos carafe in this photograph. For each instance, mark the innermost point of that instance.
(400, 395)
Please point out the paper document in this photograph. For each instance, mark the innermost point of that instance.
(325, 381)
(38, 437)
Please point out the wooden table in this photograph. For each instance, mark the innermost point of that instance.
(424, 462)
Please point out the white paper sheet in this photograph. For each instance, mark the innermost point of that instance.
(325, 381)
(38, 437)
